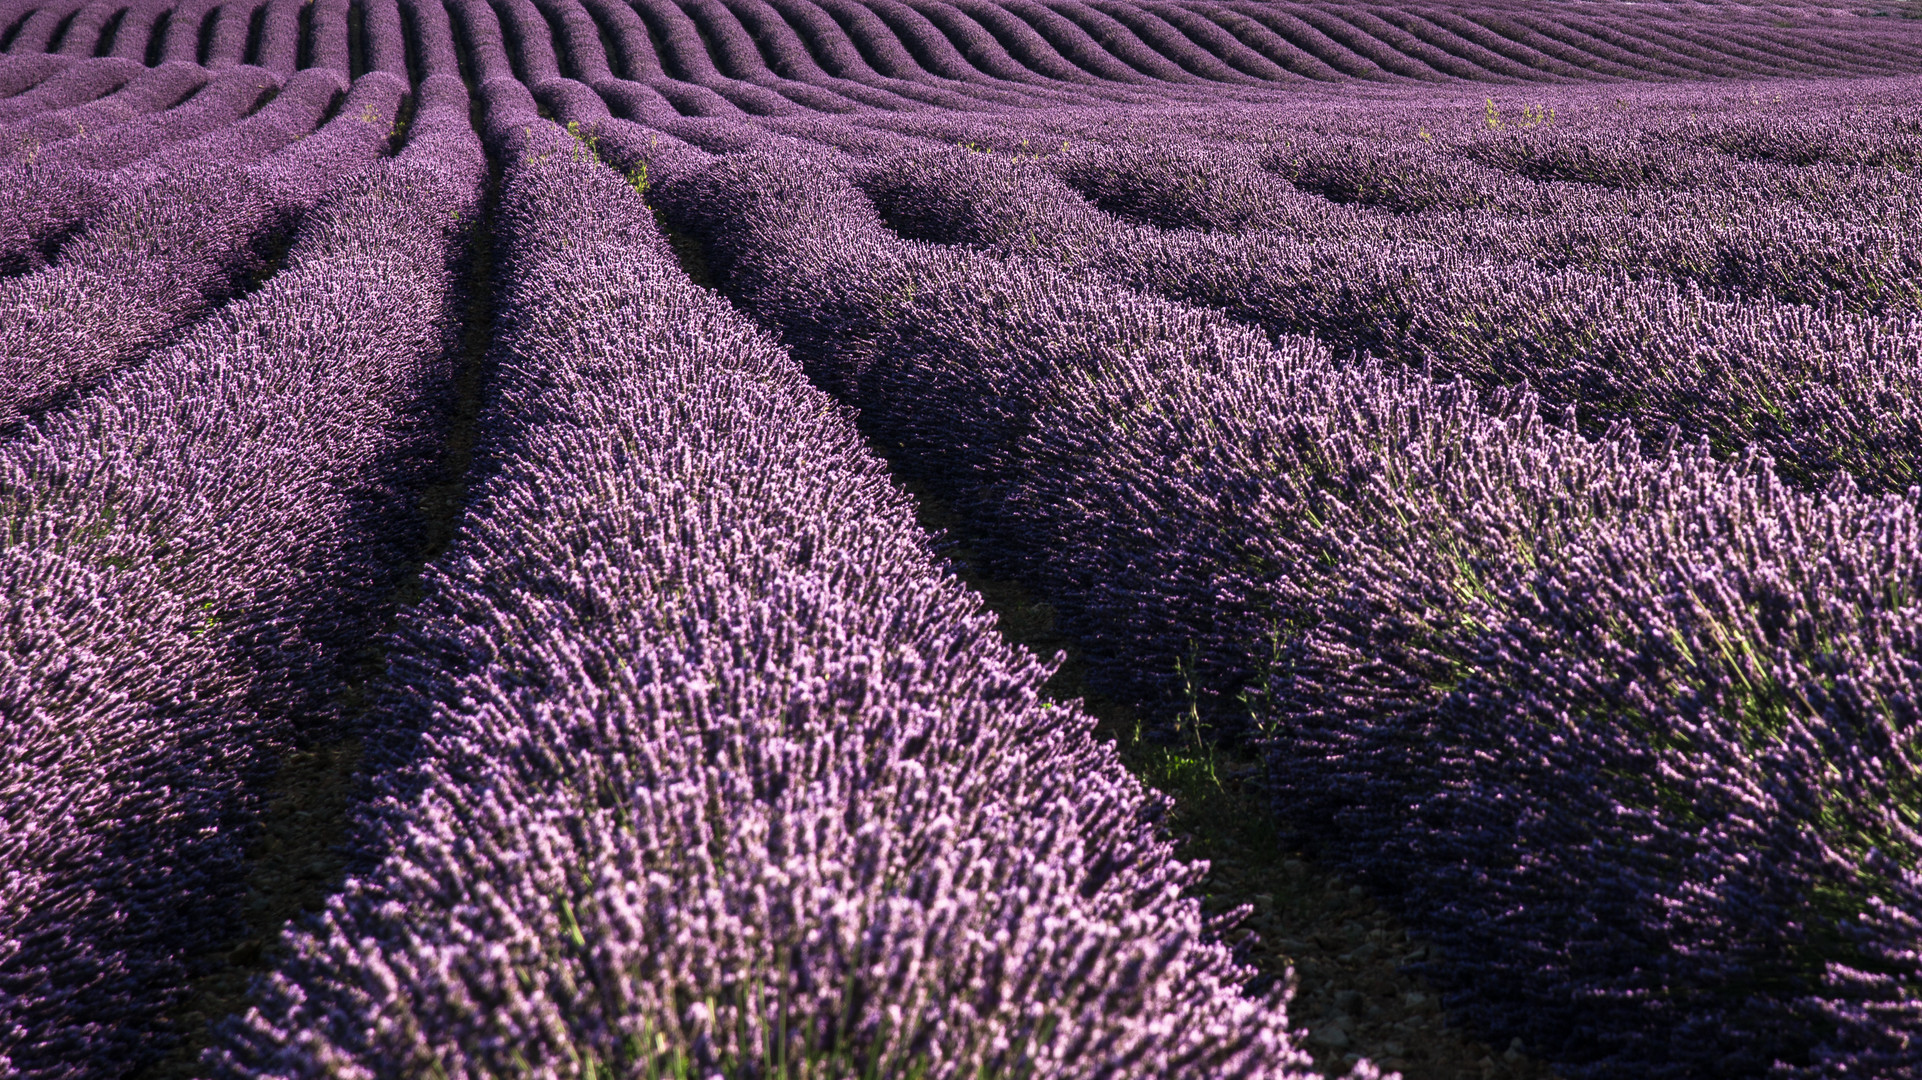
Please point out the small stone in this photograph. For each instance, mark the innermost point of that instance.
(1295, 868)
(1332, 1036)
(1348, 1000)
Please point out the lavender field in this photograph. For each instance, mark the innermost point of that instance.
(975, 539)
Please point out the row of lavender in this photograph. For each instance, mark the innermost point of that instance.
(229, 510)
(154, 655)
(1230, 518)
(1628, 732)
(1664, 326)
(193, 546)
(281, 36)
(783, 57)
(731, 784)
(789, 57)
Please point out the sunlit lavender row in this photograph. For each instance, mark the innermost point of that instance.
(1500, 418)
(730, 783)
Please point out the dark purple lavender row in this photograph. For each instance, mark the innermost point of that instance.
(1219, 38)
(385, 37)
(1833, 237)
(1545, 46)
(83, 34)
(431, 38)
(328, 38)
(192, 553)
(775, 60)
(772, 58)
(136, 36)
(1524, 56)
(278, 49)
(1825, 394)
(655, 97)
(36, 29)
(73, 86)
(57, 188)
(177, 242)
(178, 39)
(1618, 731)
(90, 29)
(721, 774)
(209, 32)
(842, 65)
(18, 74)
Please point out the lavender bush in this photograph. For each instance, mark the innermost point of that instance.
(1824, 394)
(58, 188)
(169, 250)
(1492, 659)
(190, 552)
(1500, 415)
(738, 815)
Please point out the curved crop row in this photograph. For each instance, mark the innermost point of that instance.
(278, 47)
(59, 187)
(189, 555)
(1826, 395)
(1417, 596)
(97, 97)
(740, 784)
(167, 251)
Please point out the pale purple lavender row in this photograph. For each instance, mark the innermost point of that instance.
(1492, 660)
(1816, 234)
(282, 36)
(720, 773)
(1829, 235)
(1417, 152)
(192, 553)
(19, 74)
(174, 238)
(1835, 236)
(96, 95)
(1824, 393)
(49, 191)
(795, 56)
